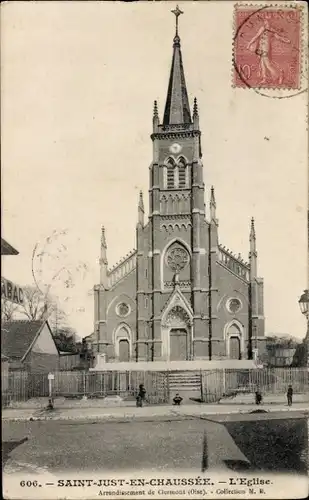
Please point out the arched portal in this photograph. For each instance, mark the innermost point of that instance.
(124, 350)
(122, 343)
(234, 340)
(178, 329)
(234, 348)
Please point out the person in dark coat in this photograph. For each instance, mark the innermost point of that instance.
(141, 395)
(289, 395)
(177, 399)
(258, 397)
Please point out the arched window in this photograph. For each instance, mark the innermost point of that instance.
(177, 257)
(182, 177)
(170, 174)
(163, 205)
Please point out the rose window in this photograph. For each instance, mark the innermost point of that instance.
(177, 259)
(234, 305)
(123, 309)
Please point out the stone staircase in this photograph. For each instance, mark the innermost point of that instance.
(187, 384)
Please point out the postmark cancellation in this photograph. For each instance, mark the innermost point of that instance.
(268, 46)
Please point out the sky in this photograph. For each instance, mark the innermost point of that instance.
(78, 84)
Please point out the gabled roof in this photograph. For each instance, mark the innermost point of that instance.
(176, 299)
(17, 337)
(7, 249)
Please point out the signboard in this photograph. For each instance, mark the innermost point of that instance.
(12, 292)
(51, 376)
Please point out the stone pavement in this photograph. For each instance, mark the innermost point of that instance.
(147, 412)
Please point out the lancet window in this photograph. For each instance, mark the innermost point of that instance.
(182, 173)
(170, 175)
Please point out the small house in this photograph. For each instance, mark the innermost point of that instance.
(29, 345)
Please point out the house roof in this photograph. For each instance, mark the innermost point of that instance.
(18, 336)
(7, 249)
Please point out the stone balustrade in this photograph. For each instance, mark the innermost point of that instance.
(235, 263)
(122, 268)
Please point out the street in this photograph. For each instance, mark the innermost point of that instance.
(259, 442)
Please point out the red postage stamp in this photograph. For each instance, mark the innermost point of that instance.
(267, 46)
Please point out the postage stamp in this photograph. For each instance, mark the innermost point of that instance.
(267, 46)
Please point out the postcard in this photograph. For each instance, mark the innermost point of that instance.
(154, 287)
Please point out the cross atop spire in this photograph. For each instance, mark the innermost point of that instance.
(177, 109)
(177, 13)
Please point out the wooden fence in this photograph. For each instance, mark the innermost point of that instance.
(22, 386)
(217, 383)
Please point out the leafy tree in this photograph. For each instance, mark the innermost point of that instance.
(65, 338)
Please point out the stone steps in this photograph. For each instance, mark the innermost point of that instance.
(184, 381)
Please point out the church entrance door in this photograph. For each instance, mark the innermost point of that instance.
(178, 344)
(124, 350)
(235, 348)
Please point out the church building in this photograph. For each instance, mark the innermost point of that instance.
(180, 295)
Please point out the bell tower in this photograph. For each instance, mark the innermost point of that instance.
(177, 230)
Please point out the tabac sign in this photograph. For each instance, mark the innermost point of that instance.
(11, 292)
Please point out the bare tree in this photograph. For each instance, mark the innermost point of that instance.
(8, 309)
(38, 306)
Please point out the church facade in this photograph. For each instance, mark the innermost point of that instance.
(180, 295)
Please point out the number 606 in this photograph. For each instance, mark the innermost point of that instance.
(29, 483)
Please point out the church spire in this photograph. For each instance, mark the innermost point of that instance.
(177, 108)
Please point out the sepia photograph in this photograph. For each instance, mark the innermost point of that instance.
(154, 249)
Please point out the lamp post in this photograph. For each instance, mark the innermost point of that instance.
(304, 307)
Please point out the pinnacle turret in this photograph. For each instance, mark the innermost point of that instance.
(212, 204)
(141, 210)
(103, 259)
(252, 230)
(155, 117)
(103, 239)
(195, 115)
(253, 252)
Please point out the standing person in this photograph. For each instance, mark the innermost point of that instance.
(258, 396)
(141, 395)
(290, 395)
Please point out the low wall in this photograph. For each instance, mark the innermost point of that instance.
(175, 365)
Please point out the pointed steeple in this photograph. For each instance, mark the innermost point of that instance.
(177, 108)
(141, 210)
